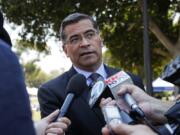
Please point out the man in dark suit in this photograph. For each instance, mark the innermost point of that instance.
(83, 45)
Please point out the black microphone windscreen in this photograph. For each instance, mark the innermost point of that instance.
(76, 84)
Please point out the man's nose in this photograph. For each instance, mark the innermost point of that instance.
(84, 41)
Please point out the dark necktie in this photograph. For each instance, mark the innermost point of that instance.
(94, 78)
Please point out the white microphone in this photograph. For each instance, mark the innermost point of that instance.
(96, 91)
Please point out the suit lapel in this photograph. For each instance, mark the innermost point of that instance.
(86, 116)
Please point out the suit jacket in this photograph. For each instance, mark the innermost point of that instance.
(15, 113)
(85, 121)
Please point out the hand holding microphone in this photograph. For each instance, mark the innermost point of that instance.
(152, 107)
(115, 82)
(122, 89)
(123, 129)
(115, 124)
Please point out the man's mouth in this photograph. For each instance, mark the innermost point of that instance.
(86, 53)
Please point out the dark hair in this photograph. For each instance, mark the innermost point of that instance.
(3, 33)
(74, 18)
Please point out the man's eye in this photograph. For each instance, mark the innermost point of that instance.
(74, 40)
(90, 34)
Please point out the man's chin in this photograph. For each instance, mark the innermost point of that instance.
(91, 65)
(89, 62)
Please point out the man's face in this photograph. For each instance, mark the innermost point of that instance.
(83, 45)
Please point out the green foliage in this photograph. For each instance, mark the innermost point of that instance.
(40, 46)
(34, 75)
(119, 20)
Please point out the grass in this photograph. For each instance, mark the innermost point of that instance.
(35, 108)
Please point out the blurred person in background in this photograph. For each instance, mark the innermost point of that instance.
(16, 117)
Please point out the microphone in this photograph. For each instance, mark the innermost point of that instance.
(115, 82)
(75, 87)
(98, 91)
(111, 86)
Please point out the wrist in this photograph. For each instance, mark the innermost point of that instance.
(159, 108)
(36, 125)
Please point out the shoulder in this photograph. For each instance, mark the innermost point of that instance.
(7, 56)
(57, 86)
(52, 93)
(58, 82)
(10, 66)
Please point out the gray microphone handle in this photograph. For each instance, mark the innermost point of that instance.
(130, 101)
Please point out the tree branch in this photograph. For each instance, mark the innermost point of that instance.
(174, 49)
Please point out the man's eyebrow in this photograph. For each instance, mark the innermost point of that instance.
(73, 36)
(90, 30)
(76, 35)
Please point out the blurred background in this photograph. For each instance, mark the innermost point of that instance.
(34, 28)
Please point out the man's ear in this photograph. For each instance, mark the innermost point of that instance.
(65, 50)
(102, 45)
(102, 42)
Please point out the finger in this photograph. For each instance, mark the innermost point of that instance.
(126, 88)
(105, 101)
(64, 120)
(55, 131)
(102, 102)
(112, 102)
(105, 131)
(51, 134)
(52, 116)
(59, 125)
(121, 129)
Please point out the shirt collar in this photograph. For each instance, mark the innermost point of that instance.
(101, 70)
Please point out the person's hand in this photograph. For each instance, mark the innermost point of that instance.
(153, 108)
(59, 127)
(46, 126)
(107, 101)
(177, 97)
(123, 129)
